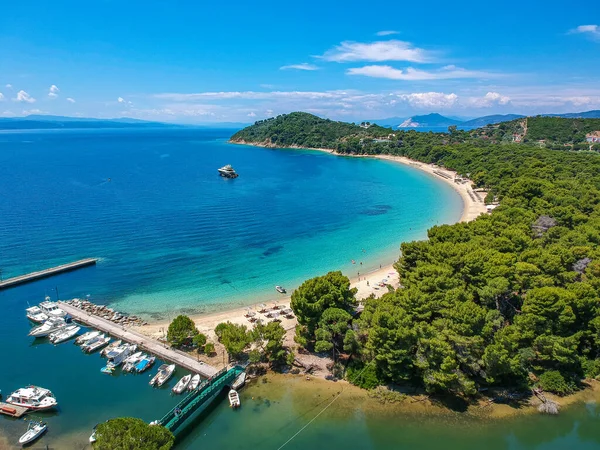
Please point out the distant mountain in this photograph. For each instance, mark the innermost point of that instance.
(490, 120)
(594, 114)
(38, 121)
(429, 120)
(392, 122)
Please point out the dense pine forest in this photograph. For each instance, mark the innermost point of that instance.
(510, 299)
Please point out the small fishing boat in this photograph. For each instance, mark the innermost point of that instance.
(34, 431)
(110, 347)
(145, 364)
(164, 373)
(194, 382)
(65, 334)
(86, 337)
(35, 314)
(52, 309)
(116, 357)
(234, 399)
(182, 384)
(280, 289)
(131, 361)
(239, 381)
(49, 326)
(94, 344)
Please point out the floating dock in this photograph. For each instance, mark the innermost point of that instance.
(143, 342)
(47, 272)
(12, 410)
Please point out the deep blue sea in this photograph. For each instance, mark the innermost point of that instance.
(172, 234)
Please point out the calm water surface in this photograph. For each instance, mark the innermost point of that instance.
(172, 235)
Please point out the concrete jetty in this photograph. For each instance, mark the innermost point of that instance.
(47, 272)
(143, 342)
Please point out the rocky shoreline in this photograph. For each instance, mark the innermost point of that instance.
(107, 313)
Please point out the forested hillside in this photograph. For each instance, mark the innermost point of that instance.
(510, 299)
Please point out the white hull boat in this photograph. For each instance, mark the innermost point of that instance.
(65, 334)
(110, 347)
(182, 384)
(49, 326)
(52, 309)
(95, 344)
(234, 399)
(35, 314)
(194, 382)
(86, 337)
(145, 364)
(34, 431)
(118, 355)
(32, 397)
(132, 361)
(280, 289)
(164, 373)
(239, 381)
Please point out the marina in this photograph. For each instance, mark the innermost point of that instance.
(10, 282)
(143, 342)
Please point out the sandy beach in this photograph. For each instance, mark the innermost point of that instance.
(369, 283)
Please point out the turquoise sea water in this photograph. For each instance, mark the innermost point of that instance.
(173, 235)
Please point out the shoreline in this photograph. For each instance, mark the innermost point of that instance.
(367, 284)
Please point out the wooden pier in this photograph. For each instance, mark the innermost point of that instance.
(143, 342)
(12, 410)
(47, 272)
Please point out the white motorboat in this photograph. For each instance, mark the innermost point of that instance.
(35, 314)
(118, 355)
(131, 361)
(110, 347)
(182, 384)
(64, 334)
(145, 364)
(280, 289)
(49, 326)
(234, 399)
(194, 382)
(51, 308)
(86, 337)
(94, 344)
(164, 373)
(34, 431)
(239, 381)
(32, 397)
(228, 172)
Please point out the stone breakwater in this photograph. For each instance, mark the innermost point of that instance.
(107, 313)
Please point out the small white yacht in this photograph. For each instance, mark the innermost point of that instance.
(49, 326)
(234, 399)
(239, 381)
(182, 384)
(131, 361)
(110, 347)
(64, 334)
(51, 308)
(194, 382)
(32, 397)
(280, 289)
(145, 364)
(164, 373)
(35, 314)
(86, 337)
(96, 343)
(228, 172)
(118, 355)
(34, 431)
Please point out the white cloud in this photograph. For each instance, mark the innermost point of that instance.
(23, 96)
(411, 74)
(70, 100)
(269, 113)
(392, 50)
(53, 92)
(387, 32)
(429, 99)
(1, 96)
(26, 112)
(251, 114)
(592, 31)
(9, 86)
(124, 102)
(247, 95)
(302, 66)
(488, 100)
(121, 100)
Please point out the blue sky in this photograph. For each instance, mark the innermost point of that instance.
(198, 62)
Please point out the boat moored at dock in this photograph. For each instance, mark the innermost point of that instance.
(234, 399)
(51, 308)
(194, 382)
(49, 326)
(34, 430)
(131, 361)
(145, 364)
(64, 334)
(182, 384)
(32, 397)
(86, 337)
(164, 373)
(95, 344)
(35, 314)
(111, 347)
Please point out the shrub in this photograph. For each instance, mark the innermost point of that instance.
(553, 381)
